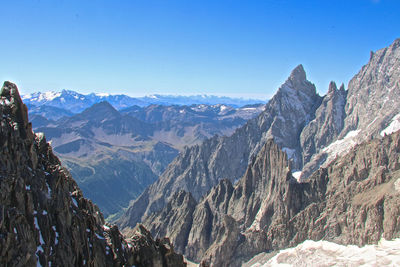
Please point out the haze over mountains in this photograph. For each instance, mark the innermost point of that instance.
(114, 155)
(213, 221)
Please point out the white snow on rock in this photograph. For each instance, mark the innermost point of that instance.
(102, 94)
(297, 175)
(324, 253)
(394, 126)
(342, 146)
(42, 97)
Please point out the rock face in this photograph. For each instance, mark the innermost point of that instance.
(44, 219)
(371, 109)
(200, 167)
(355, 200)
(373, 92)
(327, 125)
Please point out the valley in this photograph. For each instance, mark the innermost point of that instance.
(114, 155)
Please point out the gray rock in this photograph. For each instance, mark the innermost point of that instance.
(327, 125)
(371, 106)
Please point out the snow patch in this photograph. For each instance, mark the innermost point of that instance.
(74, 201)
(342, 146)
(47, 96)
(40, 233)
(39, 135)
(397, 185)
(394, 126)
(48, 191)
(296, 175)
(99, 236)
(102, 94)
(57, 235)
(324, 253)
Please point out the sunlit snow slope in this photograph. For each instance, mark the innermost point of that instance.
(324, 253)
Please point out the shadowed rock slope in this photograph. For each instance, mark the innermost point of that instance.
(44, 218)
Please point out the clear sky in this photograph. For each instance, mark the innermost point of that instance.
(240, 48)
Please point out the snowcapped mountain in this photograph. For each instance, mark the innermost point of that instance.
(75, 102)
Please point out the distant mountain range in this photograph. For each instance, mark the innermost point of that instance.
(75, 102)
(114, 155)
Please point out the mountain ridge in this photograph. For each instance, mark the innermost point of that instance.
(76, 102)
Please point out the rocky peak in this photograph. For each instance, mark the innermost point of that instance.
(342, 87)
(332, 87)
(201, 167)
(18, 110)
(298, 81)
(293, 106)
(10, 91)
(325, 128)
(104, 108)
(298, 75)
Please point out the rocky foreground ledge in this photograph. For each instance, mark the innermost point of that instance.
(44, 218)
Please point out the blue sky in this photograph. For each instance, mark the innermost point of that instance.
(236, 48)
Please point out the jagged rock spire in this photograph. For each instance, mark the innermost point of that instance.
(298, 81)
(19, 111)
(332, 87)
(298, 74)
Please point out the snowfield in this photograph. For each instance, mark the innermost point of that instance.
(324, 253)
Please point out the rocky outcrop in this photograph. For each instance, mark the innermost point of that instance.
(371, 110)
(174, 220)
(373, 93)
(327, 125)
(44, 218)
(355, 200)
(199, 168)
